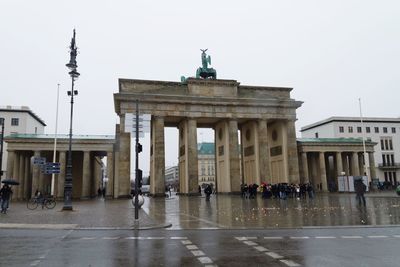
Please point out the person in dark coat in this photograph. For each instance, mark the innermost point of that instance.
(5, 193)
(360, 189)
(208, 192)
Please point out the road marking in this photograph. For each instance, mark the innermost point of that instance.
(241, 238)
(351, 236)
(178, 237)
(191, 247)
(88, 238)
(250, 237)
(299, 237)
(64, 236)
(36, 262)
(205, 260)
(250, 243)
(155, 238)
(274, 255)
(377, 236)
(325, 237)
(134, 237)
(273, 237)
(290, 263)
(110, 237)
(398, 236)
(261, 249)
(186, 242)
(198, 253)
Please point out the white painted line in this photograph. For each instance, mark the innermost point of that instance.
(192, 247)
(251, 237)
(290, 263)
(261, 249)
(155, 238)
(273, 237)
(178, 237)
(110, 237)
(325, 237)
(351, 236)
(205, 260)
(299, 237)
(198, 253)
(398, 236)
(241, 238)
(64, 236)
(186, 242)
(250, 243)
(35, 263)
(88, 238)
(134, 237)
(377, 236)
(274, 255)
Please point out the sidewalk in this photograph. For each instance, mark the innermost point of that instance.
(222, 212)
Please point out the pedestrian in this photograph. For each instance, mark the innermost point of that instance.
(99, 192)
(360, 189)
(310, 191)
(103, 192)
(199, 190)
(208, 191)
(5, 193)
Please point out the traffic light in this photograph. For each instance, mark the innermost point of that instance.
(139, 148)
(139, 178)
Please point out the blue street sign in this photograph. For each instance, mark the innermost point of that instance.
(52, 167)
(39, 161)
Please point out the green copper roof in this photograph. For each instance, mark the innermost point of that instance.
(206, 149)
(332, 140)
(60, 136)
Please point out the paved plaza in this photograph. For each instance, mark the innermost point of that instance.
(221, 212)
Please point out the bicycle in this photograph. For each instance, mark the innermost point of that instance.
(48, 202)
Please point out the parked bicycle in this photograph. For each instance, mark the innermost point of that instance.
(48, 202)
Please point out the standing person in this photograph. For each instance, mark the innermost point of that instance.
(103, 192)
(310, 191)
(360, 189)
(208, 192)
(199, 190)
(5, 193)
(99, 192)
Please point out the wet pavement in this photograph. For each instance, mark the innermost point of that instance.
(221, 212)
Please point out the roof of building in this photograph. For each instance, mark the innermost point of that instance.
(22, 109)
(349, 119)
(59, 136)
(206, 148)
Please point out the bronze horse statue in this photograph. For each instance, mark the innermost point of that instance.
(205, 72)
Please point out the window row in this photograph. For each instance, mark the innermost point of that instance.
(351, 129)
(14, 121)
(386, 144)
(388, 160)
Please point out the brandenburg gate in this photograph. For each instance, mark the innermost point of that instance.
(265, 117)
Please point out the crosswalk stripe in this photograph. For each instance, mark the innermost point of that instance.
(290, 263)
(273, 255)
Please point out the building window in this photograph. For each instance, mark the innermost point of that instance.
(316, 135)
(390, 144)
(358, 129)
(350, 129)
(384, 129)
(341, 129)
(392, 159)
(386, 144)
(383, 160)
(14, 122)
(376, 129)
(368, 129)
(1, 121)
(393, 129)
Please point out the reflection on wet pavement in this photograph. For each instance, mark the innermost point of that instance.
(231, 211)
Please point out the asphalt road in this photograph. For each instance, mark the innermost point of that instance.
(353, 246)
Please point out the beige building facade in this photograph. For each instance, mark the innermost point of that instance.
(265, 117)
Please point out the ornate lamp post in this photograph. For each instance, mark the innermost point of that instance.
(74, 75)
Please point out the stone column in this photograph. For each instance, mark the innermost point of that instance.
(85, 194)
(372, 165)
(35, 174)
(27, 179)
(193, 173)
(10, 163)
(292, 153)
(354, 163)
(110, 174)
(339, 163)
(16, 175)
(265, 171)
(304, 162)
(61, 175)
(21, 187)
(323, 171)
(157, 183)
(234, 168)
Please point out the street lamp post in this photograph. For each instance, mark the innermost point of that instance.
(1, 148)
(74, 75)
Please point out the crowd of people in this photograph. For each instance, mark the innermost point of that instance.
(281, 190)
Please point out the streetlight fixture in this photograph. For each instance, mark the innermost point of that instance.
(74, 75)
(1, 147)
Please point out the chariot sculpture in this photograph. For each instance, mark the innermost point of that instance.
(204, 71)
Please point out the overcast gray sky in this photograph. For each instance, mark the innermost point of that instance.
(330, 52)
